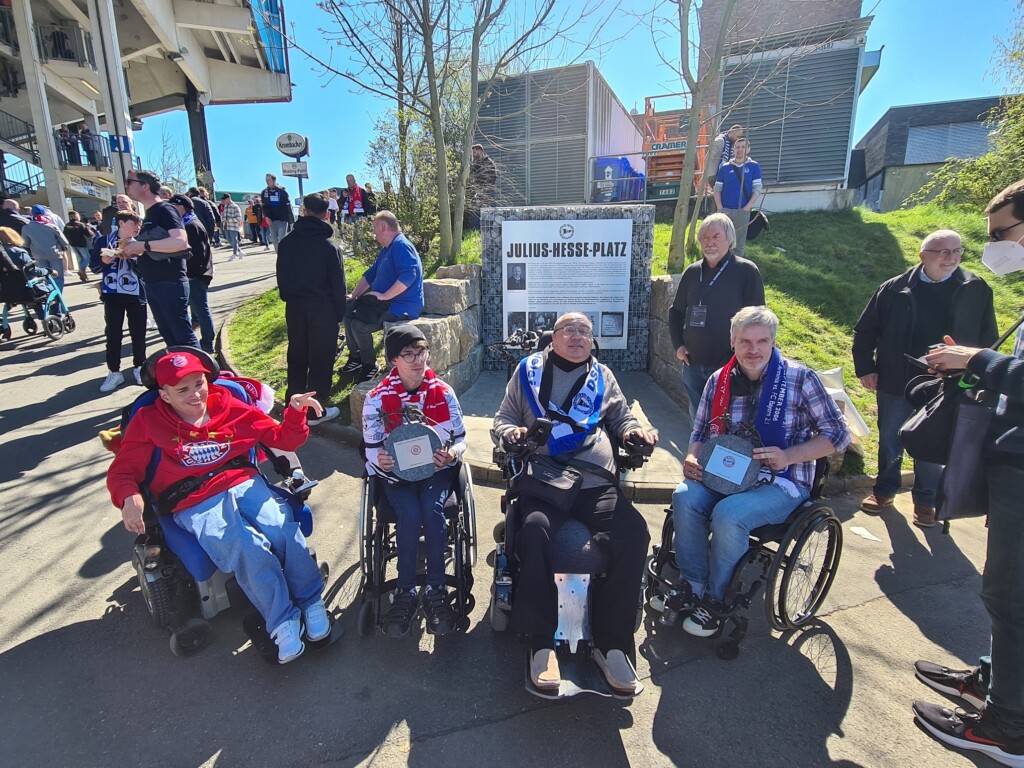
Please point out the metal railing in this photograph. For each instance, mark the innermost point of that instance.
(8, 34)
(18, 133)
(20, 178)
(65, 42)
(76, 150)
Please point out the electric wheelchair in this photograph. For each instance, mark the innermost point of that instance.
(378, 548)
(182, 588)
(798, 560)
(577, 561)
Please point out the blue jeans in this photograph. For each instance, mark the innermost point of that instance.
(56, 264)
(1002, 592)
(200, 308)
(420, 506)
(249, 531)
(694, 379)
(698, 511)
(232, 236)
(278, 229)
(893, 410)
(82, 255)
(168, 303)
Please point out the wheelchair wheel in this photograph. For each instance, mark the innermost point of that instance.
(366, 620)
(6, 332)
(30, 327)
(157, 595)
(53, 327)
(69, 324)
(810, 568)
(469, 515)
(462, 557)
(190, 637)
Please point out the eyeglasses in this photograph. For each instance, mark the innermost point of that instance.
(997, 234)
(946, 252)
(576, 330)
(412, 357)
(129, 180)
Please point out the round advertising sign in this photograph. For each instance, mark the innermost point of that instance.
(293, 144)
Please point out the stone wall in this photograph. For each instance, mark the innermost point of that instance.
(451, 321)
(663, 365)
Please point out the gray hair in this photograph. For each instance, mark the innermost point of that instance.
(723, 222)
(749, 316)
(939, 234)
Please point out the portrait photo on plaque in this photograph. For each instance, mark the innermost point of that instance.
(516, 277)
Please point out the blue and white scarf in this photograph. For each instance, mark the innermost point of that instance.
(584, 414)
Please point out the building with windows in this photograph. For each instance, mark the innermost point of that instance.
(77, 77)
(908, 144)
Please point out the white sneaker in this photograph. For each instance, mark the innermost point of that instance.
(232, 258)
(114, 380)
(331, 412)
(288, 637)
(137, 373)
(151, 325)
(318, 625)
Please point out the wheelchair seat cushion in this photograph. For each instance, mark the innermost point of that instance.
(575, 551)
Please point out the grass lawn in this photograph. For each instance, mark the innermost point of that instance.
(819, 268)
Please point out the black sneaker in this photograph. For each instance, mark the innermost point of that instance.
(437, 610)
(367, 372)
(702, 622)
(962, 730)
(398, 619)
(352, 366)
(964, 684)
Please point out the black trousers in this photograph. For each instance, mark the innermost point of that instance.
(115, 309)
(619, 528)
(312, 348)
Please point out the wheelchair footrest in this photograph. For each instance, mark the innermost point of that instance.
(580, 674)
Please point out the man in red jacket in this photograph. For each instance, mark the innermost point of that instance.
(203, 430)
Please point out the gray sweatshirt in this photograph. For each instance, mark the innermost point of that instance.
(43, 241)
(615, 417)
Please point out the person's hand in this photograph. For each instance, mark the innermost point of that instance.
(692, 470)
(951, 357)
(443, 458)
(683, 355)
(134, 248)
(131, 514)
(870, 381)
(641, 436)
(384, 460)
(306, 400)
(514, 435)
(772, 456)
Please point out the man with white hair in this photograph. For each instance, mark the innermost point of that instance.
(796, 422)
(907, 315)
(710, 292)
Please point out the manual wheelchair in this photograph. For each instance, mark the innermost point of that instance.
(798, 559)
(378, 547)
(577, 561)
(180, 585)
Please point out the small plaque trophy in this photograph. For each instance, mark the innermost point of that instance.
(412, 447)
(729, 464)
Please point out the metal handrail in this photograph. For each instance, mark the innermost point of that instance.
(65, 41)
(8, 33)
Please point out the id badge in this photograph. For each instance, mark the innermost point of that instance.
(698, 316)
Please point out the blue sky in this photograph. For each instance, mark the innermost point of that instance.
(934, 50)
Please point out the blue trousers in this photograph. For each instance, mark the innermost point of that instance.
(249, 531)
(419, 507)
(1002, 592)
(199, 305)
(893, 410)
(698, 511)
(168, 303)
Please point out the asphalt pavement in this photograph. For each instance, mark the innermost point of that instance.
(85, 680)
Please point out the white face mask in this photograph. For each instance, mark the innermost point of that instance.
(1004, 256)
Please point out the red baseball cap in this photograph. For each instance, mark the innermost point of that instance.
(172, 368)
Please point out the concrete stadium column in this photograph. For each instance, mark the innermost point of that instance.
(32, 67)
(196, 111)
(112, 89)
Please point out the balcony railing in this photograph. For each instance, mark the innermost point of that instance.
(76, 150)
(20, 178)
(66, 42)
(8, 34)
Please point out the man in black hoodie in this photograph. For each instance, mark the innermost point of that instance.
(199, 269)
(311, 281)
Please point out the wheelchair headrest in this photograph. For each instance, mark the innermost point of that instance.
(148, 372)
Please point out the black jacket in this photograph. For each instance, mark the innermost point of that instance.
(310, 267)
(204, 211)
(13, 220)
(200, 263)
(886, 327)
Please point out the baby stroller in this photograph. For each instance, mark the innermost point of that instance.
(33, 287)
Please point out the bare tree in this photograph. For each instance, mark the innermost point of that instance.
(174, 163)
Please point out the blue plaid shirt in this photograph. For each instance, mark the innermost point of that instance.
(810, 411)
